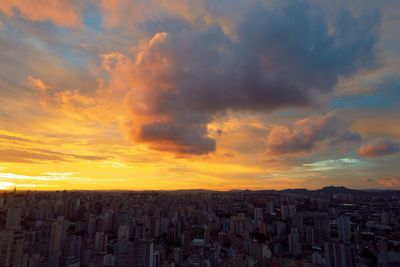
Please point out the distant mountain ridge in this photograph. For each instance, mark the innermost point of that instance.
(324, 190)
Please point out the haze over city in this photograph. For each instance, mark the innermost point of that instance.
(221, 95)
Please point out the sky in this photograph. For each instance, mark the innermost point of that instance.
(188, 94)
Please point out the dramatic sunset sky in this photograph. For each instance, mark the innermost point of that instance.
(214, 94)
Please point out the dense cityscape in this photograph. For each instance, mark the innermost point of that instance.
(333, 227)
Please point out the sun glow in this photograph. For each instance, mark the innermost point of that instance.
(6, 185)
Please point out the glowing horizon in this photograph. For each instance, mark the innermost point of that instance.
(164, 95)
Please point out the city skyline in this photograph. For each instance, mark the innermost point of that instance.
(331, 227)
(218, 95)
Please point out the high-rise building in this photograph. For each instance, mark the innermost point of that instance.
(270, 209)
(72, 246)
(178, 256)
(91, 227)
(58, 232)
(344, 228)
(310, 239)
(11, 246)
(123, 232)
(316, 258)
(14, 219)
(238, 224)
(258, 214)
(339, 254)
(123, 250)
(143, 253)
(100, 242)
(385, 218)
(155, 226)
(321, 228)
(288, 211)
(198, 232)
(156, 259)
(294, 243)
(297, 222)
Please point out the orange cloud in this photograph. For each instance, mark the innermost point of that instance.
(142, 85)
(61, 12)
(37, 84)
(378, 148)
(389, 181)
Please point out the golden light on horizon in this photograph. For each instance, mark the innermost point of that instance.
(187, 95)
(6, 185)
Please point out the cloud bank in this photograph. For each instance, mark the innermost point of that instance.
(305, 134)
(61, 12)
(389, 181)
(286, 56)
(378, 148)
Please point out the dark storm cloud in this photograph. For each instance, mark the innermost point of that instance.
(280, 57)
(182, 139)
